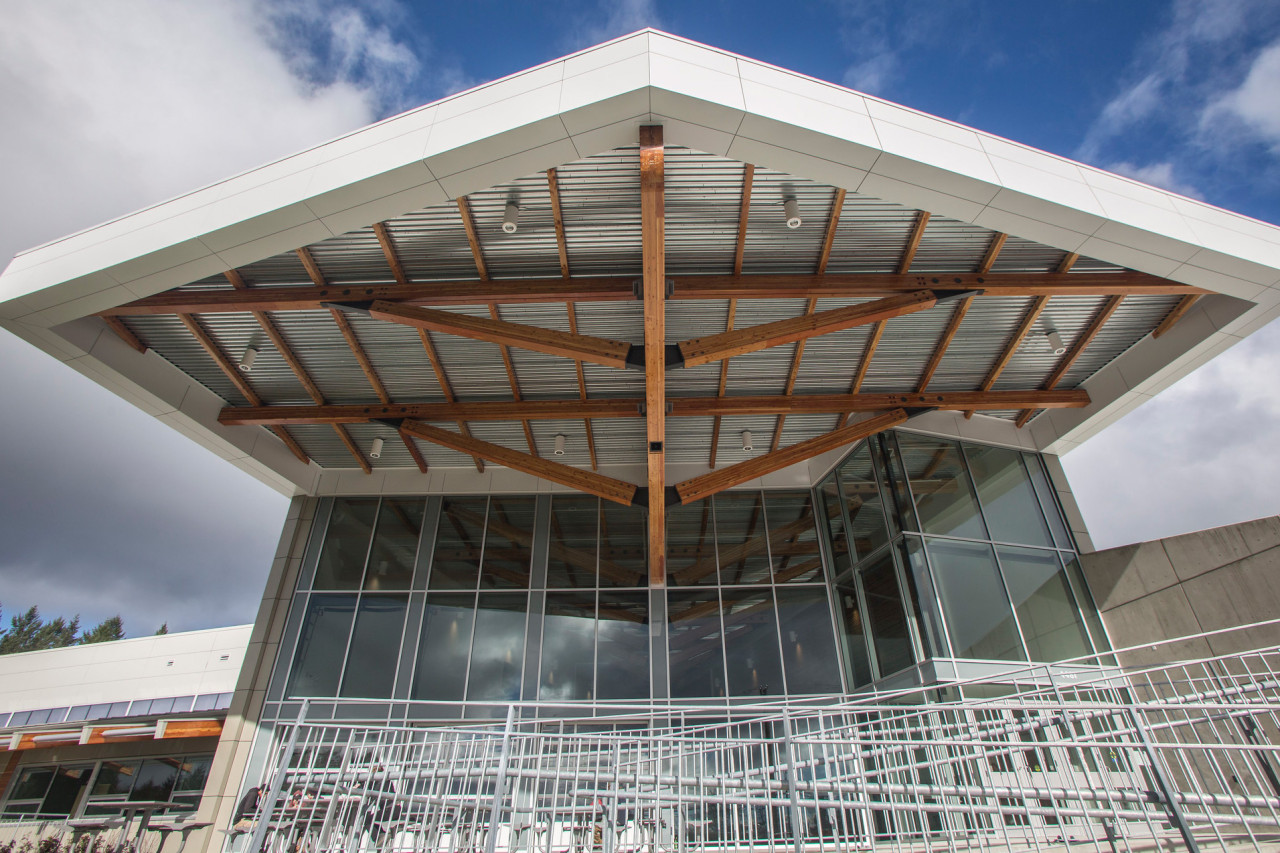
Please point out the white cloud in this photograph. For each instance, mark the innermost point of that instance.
(614, 18)
(1255, 103)
(1201, 454)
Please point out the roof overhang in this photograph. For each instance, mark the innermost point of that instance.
(595, 101)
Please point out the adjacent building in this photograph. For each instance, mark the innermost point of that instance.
(714, 404)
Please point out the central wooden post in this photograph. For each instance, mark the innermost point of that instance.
(653, 229)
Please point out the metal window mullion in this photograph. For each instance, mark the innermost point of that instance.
(860, 596)
(827, 554)
(346, 653)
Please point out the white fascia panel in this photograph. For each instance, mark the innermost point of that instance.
(484, 175)
(794, 162)
(691, 134)
(584, 107)
(921, 198)
(1030, 229)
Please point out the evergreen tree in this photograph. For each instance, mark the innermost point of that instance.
(28, 633)
(104, 632)
(163, 629)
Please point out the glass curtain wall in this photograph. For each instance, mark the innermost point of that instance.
(944, 548)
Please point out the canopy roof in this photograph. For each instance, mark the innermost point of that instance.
(930, 264)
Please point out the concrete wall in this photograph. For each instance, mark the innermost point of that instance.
(223, 788)
(1203, 581)
(183, 664)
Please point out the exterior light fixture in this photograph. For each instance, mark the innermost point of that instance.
(375, 452)
(792, 209)
(560, 439)
(1055, 341)
(246, 360)
(511, 218)
(746, 441)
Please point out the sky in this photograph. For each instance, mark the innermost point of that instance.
(113, 106)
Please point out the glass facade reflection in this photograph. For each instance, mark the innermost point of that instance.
(914, 547)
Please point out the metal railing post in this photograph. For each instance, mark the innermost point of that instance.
(1162, 779)
(796, 832)
(495, 813)
(266, 806)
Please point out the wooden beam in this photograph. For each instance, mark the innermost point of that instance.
(948, 335)
(1077, 349)
(575, 478)
(714, 482)
(913, 242)
(993, 252)
(877, 332)
(412, 447)
(582, 389)
(715, 347)
(344, 326)
(557, 218)
(237, 379)
(1179, 310)
(473, 238)
(1012, 345)
(653, 242)
(510, 366)
(618, 289)
(389, 252)
(445, 387)
(125, 334)
(680, 407)
(584, 347)
(833, 221)
(352, 449)
(744, 211)
(1068, 261)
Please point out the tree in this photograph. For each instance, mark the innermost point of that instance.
(163, 629)
(104, 632)
(28, 633)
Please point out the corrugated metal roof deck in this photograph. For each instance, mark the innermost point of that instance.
(600, 200)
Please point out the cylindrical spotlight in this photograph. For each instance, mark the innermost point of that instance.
(511, 218)
(559, 451)
(375, 452)
(1055, 341)
(746, 441)
(247, 360)
(792, 208)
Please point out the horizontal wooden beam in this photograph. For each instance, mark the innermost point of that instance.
(566, 475)
(714, 482)
(583, 347)
(681, 407)
(697, 351)
(617, 289)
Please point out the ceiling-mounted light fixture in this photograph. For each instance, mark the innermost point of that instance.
(792, 209)
(246, 360)
(375, 452)
(511, 218)
(746, 441)
(560, 439)
(1055, 341)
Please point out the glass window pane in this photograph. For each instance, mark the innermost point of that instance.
(857, 663)
(808, 643)
(740, 537)
(924, 599)
(115, 777)
(322, 645)
(375, 647)
(623, 539)
(886, 615)
(1040, 480)
(395, 544)
(944, 497)
(497, 654)
(33, 783)
(568, 646)
(508, 544)
(693, 631)
(571, 558)
(65, 789)
(863, 502)
(455, 563)
(346, 544)
(1008, 498)
(893, 483)
(155, 779)
(974, 602)
(1046, 608)
(1087, 605)
(691, 550)
(793, 537)
(751, 643)
(829, 494)
(193, 773)
(622, 665)
(445, 647)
